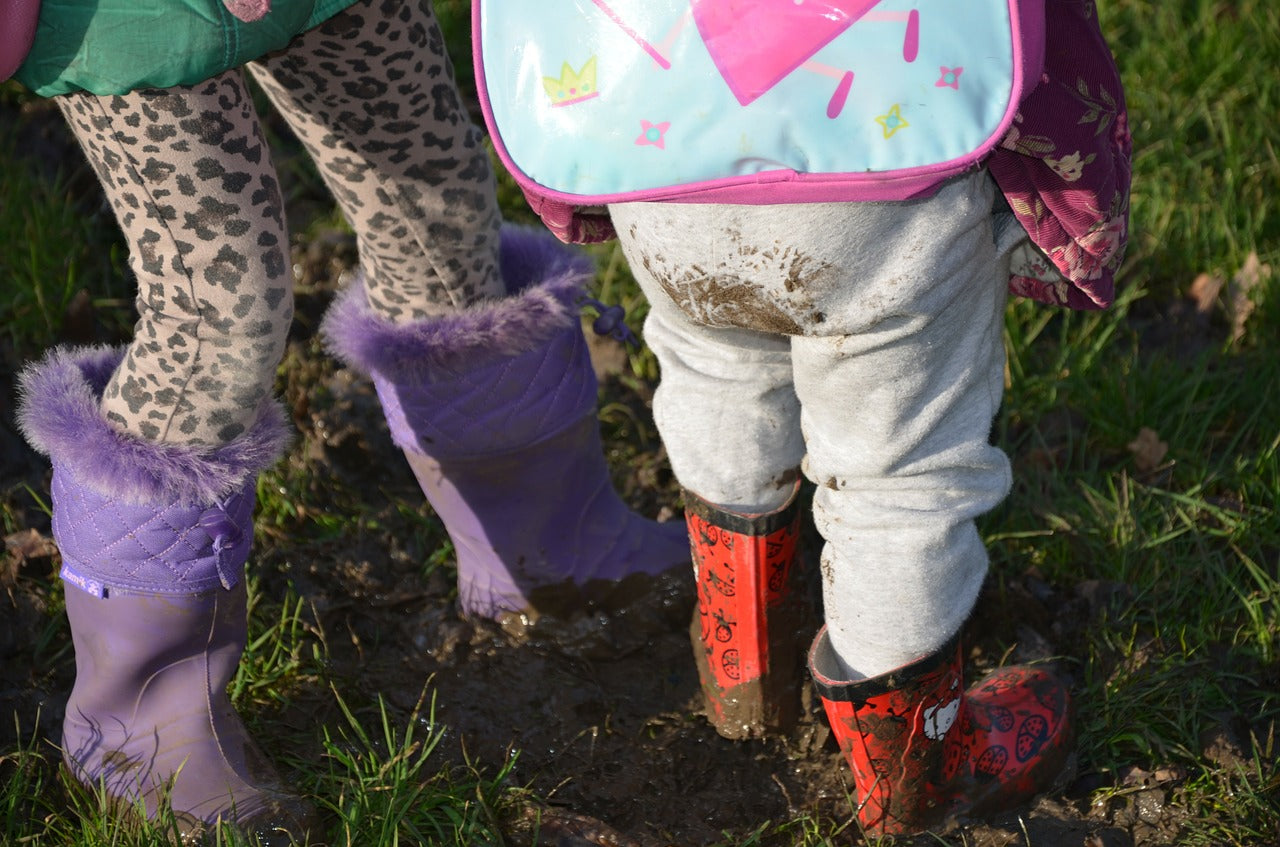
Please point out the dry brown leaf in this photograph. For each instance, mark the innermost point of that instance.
(1148, 450)
(1204, 291)
(29, 544)
(19, 548)
(1169, 773)
(608, 357)
(1240, 290)
(1135, 776)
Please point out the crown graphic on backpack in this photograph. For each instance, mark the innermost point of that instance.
(572, 86)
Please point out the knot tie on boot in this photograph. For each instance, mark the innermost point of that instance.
(149, 547)
(225, 534)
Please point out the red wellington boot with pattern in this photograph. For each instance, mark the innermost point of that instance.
(745, 632)
(924, 751)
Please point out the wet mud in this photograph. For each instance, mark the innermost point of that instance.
(601, 708)
(597, 700)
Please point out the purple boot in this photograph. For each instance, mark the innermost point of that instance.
(154, 538)
(495, 409)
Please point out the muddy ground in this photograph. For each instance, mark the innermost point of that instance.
(606, 716)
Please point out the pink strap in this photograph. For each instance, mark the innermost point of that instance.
(17, 31)
(572, 224)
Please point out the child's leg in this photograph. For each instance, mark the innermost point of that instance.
(475, 347)
(372, 97)
(156, 453)
(730, 421)
(189, 176)
(897, 416)
(897, 423)
(725, 406)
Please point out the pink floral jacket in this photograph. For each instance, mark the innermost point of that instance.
(1065, 166)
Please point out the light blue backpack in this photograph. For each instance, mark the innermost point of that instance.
(592, 102)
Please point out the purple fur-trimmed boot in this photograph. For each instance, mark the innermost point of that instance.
(495, 409)
(154, 538)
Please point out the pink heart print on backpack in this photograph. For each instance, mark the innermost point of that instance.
(756, 43)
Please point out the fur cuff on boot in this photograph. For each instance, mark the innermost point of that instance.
(544, 279)
(60, 416)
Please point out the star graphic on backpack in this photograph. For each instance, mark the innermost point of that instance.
(948, 77)
(654, 135)
(892, 121)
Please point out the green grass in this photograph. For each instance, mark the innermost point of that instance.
(56, 247)
(384, 792)
(374, 777)
(1205, 145)
(283, 651)
(1190, 640)
(1195, 542)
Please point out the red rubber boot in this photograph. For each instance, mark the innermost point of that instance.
(747, 625)
(923, 749)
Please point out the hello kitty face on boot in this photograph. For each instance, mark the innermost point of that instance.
(938, 719)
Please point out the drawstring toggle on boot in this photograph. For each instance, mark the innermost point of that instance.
(611, 321)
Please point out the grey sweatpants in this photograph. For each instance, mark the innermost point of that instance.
(371, 95)
(863, 344)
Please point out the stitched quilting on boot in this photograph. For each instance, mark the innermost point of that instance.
(154, 538)
(495, 409)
